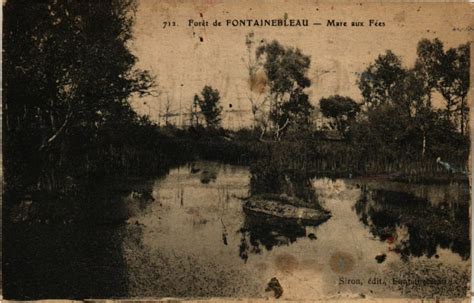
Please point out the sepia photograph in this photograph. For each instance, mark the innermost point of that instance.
(227, 150)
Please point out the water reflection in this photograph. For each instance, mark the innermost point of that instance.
(178, 236)
(268, 178)
(257, 234)
(188, 242)
(414, 226)
(195, 239)
(260, 232)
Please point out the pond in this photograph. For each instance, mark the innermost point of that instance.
(195, 240)
(186, 235)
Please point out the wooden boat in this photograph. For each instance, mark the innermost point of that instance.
(282, 209)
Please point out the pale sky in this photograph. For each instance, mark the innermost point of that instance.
(177, 56)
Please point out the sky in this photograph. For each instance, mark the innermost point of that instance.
(186, 58)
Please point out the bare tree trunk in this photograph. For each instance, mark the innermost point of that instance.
(263, 133)
(423, 146)
(57, 133)
(280, 129)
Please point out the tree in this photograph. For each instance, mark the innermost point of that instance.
(378, 82)
(399, 116)
(286, 72)
(461, 84)
(448, 73)
(297, 110)
(390, 89)
(195, 111)
(257, 83)
(342, 109)
(209, 105)
(412, 96)
(67, 70)
(168, 111)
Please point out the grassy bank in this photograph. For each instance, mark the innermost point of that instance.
(315, 155)
(64, 173)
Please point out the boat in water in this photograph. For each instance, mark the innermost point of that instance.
(283, 208)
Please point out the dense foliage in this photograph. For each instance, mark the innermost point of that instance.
(286, 71)
(342, 109)
(209, 106)
(399, 117)
(68, 75)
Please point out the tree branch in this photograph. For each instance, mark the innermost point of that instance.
(57, 133)
(279, 129)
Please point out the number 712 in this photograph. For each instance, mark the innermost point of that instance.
(168, 24)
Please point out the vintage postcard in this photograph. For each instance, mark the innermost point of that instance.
(227, 150)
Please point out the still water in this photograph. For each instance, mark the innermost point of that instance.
(195, 240)
(186, 236)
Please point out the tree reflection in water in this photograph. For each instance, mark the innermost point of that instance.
(412, 225)
(257, 231)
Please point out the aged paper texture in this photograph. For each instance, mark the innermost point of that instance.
(223, 150)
